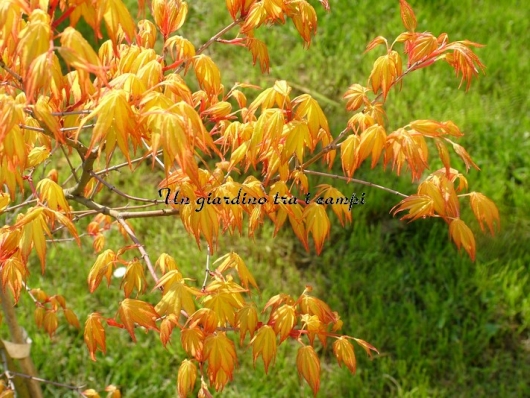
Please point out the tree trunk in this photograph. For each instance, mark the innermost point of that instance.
(26, 366)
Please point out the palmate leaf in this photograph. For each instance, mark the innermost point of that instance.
(344, 352)
(94, 335)
(308, 366)
(264, 345)
(139, 312)
(463, 237)
(485, 211)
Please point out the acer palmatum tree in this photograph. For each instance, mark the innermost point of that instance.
(62, 100)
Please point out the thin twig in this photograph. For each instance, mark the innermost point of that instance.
(27, 202)
(65, 239)
(70, 387)
(141, 247)
(125, 195)
(70, 164)
(29, 292)
(68, 113)
(211, 41)
(121, 165)
(158, 161)
(207, 270)
(367, 183)
(7, 372)
(11, 72)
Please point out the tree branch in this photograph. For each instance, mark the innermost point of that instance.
(11, 72)
(367, 183)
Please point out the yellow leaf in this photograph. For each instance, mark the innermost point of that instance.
(71, 318)
(419, 206)
(232, 260)
(308, 366)
(34, 38)
(375, 42)
(485, 211)
(115, 124)
(247, 321)
(220, 353)
(134, 278)
(462, 236)
(313, 306)
(37, 155)
(169, 15)
(283, 320)
(52, 194)
(304, 18)
(116, 16)
(373, 141)
(136, 311)
(94, 335)
(367, 347)
(77, 52)
(460, 151)
(101, 268)
(207, 74)
(177, 295)
(256, 16)
(356, 96)
(259, 52)
(264, 344)
(344, 353)
(317, 222)
(407, 16)
(385, 71)
(187, 375)
(193, 342)
(166, 263)
(50, 322)
(13, 273)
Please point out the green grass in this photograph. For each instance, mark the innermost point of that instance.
(445, 327)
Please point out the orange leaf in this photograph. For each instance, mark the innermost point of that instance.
(283, 320)
(166, 328)
(136, 311)
(177, 295)
(208, 74)
(308, 366)
(247, 321)
(50, 322)
(264, 344)
(101, 268)
(462, 236)
(367, 347)
(317, 222)
(385, 71)
(485, 210)
(344, 353)
(134, 278)
(232, 260)
(94, 335)
(375, 42)
(192, 341)
(187, 375)
(460, 151)
(220, 353)
(418, 206)
(407, 16)
(71, 318)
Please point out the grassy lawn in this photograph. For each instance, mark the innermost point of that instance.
(445, 326)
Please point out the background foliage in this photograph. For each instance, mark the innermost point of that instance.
(444, 326)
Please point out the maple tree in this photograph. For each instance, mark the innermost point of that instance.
(61, 99)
